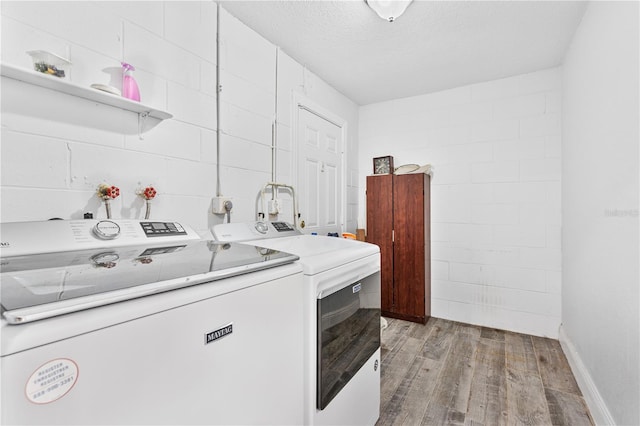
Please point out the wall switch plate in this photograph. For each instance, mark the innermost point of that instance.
(221, 205)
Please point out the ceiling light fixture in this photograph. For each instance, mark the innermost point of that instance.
(388, 10)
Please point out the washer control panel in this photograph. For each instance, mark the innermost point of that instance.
(21, 238)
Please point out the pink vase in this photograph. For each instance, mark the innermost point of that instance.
(129, 86)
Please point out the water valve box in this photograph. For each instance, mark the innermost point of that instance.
(221, 205)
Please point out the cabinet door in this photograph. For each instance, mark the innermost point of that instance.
(380, 229)
(409, 245)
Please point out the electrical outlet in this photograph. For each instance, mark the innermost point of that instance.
(221, 205)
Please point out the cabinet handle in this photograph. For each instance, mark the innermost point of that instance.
(393, 235)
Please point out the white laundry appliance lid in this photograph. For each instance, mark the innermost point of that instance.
(48, 284)
(317, 253)
(320, 253)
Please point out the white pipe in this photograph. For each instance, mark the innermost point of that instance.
(264, 208)
(274, 154)
(218, 186)
(274, 132)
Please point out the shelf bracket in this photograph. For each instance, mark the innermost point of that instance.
(142, 118)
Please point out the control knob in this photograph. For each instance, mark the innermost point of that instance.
(106, 230)
(262, 227)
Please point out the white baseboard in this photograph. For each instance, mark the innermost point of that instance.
(599, 411)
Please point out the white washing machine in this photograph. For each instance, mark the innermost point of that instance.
(134, 322)
(341, 319)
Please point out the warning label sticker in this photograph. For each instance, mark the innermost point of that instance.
(52, 381)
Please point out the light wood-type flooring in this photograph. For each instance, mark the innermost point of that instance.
(447, 372)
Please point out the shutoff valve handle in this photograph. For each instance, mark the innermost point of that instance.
(228, 205)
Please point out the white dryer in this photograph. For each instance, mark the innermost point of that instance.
(130, 322)
(341, 319)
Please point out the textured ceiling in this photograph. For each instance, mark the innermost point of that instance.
(435, 45)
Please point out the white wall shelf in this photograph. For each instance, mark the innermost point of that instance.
(60, 85)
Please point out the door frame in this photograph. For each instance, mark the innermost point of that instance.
(300, 101)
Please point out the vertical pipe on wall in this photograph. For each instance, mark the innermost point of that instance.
(218, 90)
(274, 133)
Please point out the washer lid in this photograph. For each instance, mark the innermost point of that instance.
(44, 285)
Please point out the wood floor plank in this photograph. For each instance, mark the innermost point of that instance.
(396, 368)
(409, 407)
(396, 330)
(526, 401)
(439, 341)
(422, 331)
(567, 409)
(420, 392)
(449, 399)
(440, 415)
(493, 334)
(409, 402)
(470, 329)
(519, 352)
(393, 336)
(454, 382)
(554, 367)
(419, 379)
(488, 397)
(393, 406)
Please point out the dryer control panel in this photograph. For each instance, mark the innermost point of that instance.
(246, 231)
(282, 226)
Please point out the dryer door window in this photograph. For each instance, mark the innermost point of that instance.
(348, 335)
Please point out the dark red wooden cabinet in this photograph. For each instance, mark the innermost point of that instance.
(398, 221)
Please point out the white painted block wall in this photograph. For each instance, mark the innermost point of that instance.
(495, 200)
(600, 210)
(56, 149)
(249, 109)
(248, 70)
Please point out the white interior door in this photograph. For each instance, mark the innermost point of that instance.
(320, 151)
